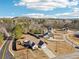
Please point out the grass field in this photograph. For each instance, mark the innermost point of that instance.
(1, 39)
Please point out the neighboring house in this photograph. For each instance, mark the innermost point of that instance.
(49, 33)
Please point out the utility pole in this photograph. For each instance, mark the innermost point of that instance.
(27, 53)
(56, 47)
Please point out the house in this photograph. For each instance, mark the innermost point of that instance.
(29, 44)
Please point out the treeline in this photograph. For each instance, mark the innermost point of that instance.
(18, 25)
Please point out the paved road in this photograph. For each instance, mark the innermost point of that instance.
(66, 39)
(4, 52)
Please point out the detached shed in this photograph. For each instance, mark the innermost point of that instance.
(34, 46)
(41, 44)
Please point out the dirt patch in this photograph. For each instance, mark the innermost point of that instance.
(29, 54)
(0, 44)
(76, 58)
(60, 48)
(25, 53)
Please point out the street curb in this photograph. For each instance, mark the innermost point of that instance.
(3, 44)
(10, 49)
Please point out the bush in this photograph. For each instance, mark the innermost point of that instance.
(36, 31)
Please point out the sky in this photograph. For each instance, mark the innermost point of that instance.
(40, 8)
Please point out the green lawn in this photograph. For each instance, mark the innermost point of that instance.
(1, 38)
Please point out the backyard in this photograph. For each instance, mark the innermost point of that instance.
(58, 47)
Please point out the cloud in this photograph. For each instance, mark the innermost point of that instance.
(73, 14)
(20, 4)
(6, 16)
(38, 15)
(47, 4)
